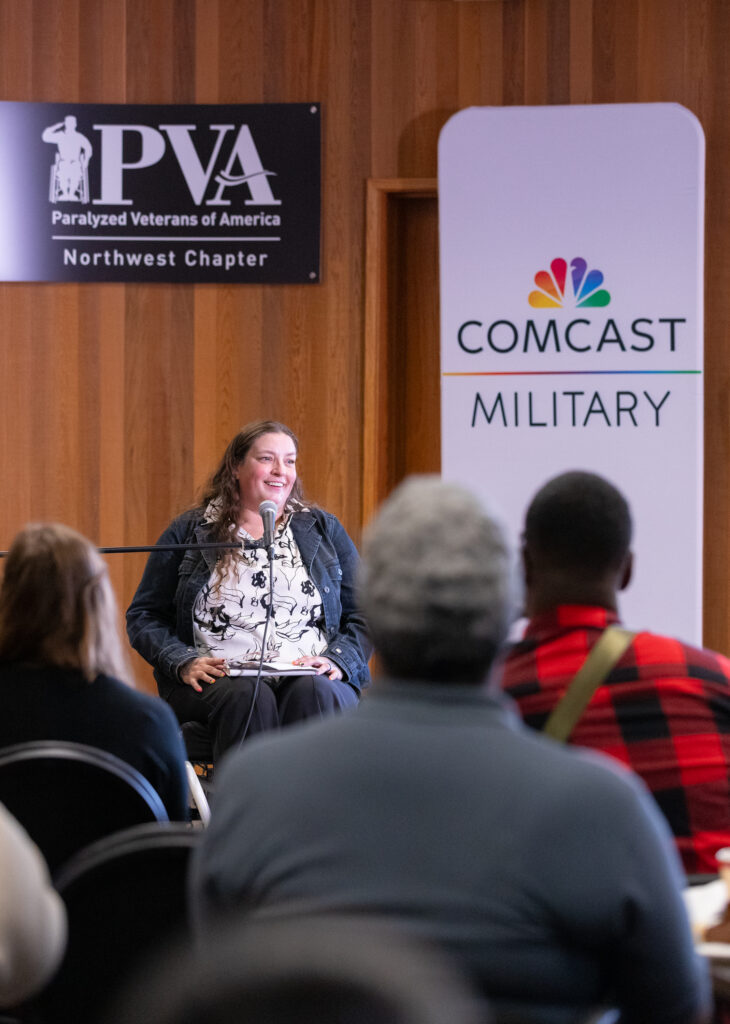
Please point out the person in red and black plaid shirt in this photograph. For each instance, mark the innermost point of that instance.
(664, 709)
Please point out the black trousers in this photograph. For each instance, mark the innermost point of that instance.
(224, 706)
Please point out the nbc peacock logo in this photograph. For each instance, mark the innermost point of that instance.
(583, 286)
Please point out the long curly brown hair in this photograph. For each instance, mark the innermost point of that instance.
(222, 488)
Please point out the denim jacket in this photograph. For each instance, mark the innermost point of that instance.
(160, 617)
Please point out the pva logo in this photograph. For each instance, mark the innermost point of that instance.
(584, 288)
(238, 162)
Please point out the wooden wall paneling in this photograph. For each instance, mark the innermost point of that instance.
(150, 54)
(557, 42)
(135, 389)
(615, 51)
(180, 358)
(699, 86)
(332, 456)
(86, 401)
(657, 34)
(401, 369)
(512, 44)
(295, 317)
(228, 368)
(55, 479)
(159, 422)
(158, 381)
(16, 42)
(103, 45)
(312, 332)
(212, 384)
(414, 84)
(386, 102)
(106, 334)
(345, 250)
(228, 361)
(55, 50)
(139, 451)
(18, 409)
(538, 63)
(714, 30)
(207, 50)
(102, 75)
(580, 35)
(479, 60)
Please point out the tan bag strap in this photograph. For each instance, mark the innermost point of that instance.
(602, 657)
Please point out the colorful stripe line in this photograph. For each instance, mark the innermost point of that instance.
(557, 373)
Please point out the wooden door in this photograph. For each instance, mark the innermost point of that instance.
(402, 399)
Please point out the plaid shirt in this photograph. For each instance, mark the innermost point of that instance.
(664, 711)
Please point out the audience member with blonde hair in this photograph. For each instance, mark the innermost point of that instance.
(63, 672)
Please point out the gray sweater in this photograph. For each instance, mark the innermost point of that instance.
(548, 871)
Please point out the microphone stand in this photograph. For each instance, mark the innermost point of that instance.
(225, 545)
(269, 614)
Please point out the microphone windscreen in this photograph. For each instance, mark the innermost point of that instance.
(267, 506)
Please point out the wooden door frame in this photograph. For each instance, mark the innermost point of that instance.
(381, 192)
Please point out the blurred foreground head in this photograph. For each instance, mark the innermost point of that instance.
(302, 970)
(57, 604)
(436, 583)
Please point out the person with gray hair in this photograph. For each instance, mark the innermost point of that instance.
(437, 583)
(549, 876)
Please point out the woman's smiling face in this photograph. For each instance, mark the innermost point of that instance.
(268, 472)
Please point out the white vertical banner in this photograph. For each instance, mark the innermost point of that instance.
(571, 247)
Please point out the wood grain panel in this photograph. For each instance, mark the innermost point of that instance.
(479, 61)
(580, 34)
(713, 112)
(118, 399)
(16, 41)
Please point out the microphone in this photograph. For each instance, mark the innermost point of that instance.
(267, 511)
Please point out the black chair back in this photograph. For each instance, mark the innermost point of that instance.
(125, 896)
(66, 795)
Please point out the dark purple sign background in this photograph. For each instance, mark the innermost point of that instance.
(92, 192)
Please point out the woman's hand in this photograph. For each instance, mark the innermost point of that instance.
(202, 670)
(322, 665)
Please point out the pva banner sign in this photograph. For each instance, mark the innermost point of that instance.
(571, 332)
(92, 192)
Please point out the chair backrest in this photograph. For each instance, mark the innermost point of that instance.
(125, 895)
(66, 795)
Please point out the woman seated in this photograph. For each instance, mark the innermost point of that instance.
(200, 615)
(63, 673)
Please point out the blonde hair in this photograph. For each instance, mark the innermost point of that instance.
(57, 605)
